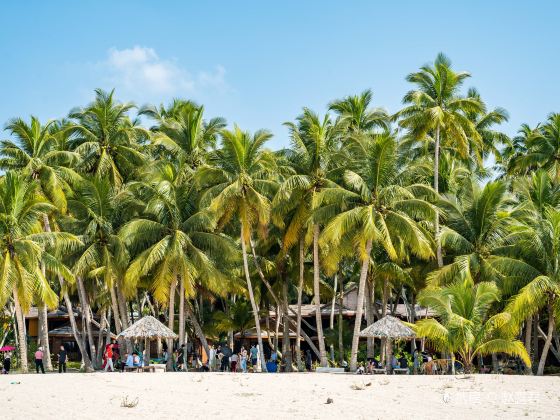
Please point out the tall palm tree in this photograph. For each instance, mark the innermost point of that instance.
(542, 148)
(463, 326)
(183, 132)
(36, 154)
(238, 187)
(537, 243)
(356, 114)
(96, 211)
(107, 139)
(491, 141)
(174, 242)
(375, 210)
(436, 109)
(478, 221)
(316, 159)
(25, 248)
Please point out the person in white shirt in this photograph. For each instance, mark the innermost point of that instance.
(233, 360)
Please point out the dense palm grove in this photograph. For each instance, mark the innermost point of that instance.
(433, 205)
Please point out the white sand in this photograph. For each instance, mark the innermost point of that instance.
(266, 396)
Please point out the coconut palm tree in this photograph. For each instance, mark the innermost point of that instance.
(182, 131)
(107, 139)
(374, 210)
(542, 148)
(36, 154)
(463, 326)
(491, 141)
(478, 219)
(237, 186)
(25, 248)
(96, 211)
(173, 241)
(315, 158)
(436, 109)
(357, 116)
(537, 243)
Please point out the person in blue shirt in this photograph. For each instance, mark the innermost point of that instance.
(129, 360)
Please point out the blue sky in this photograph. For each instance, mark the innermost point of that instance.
(258, 63)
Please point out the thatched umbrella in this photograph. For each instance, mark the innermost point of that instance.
(389, 328)
(148, 328)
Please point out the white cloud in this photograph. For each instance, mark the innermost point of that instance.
(140, 69)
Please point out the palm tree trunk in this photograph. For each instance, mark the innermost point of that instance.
(359, 309)
(171, 321)
(252, 298)
(528, 335)
(317, 297)
(369, 318)
(44, 335)
(86, 314)
(88, 366)
(331, 321)
(286, 350)
(115, 306)
(43, 317)
(107, 340)
(535, 342)
(21, 333)
(548, 341)
(436, 188)
(198, 330)
(121, 301)
(181, 313)
(384, 299)
(389, 355)
(340, 305)
(102, 326)
(299, 293)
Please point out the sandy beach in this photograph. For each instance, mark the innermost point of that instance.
(258, 396)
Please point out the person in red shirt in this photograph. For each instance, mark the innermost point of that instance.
(109, 358)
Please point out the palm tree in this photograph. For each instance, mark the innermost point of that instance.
(237, 186)
(542, 149)
(436, 109)
(96, 211)
(24, 249)
(375, 211)
(462, 325)
(182, 131)
(489, 142)
(357, 116)
(537, 243)
(106, 139)
(315, 158)
(174, 242)
(35, 153)
(478, 221)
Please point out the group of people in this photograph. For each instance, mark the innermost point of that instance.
(223, 358)
(112, 360)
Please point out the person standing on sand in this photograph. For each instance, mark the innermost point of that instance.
(233, 360)
(7, 364)
(244, 359)
(254, 354)
(39, 360)
(308, 360)
(62, 360)
(109, 358)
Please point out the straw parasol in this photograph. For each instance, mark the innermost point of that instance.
(148, 328)
(389, 328)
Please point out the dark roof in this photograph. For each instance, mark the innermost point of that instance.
(60, 312)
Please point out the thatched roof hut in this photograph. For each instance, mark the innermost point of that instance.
(148, 328)
(388, 327)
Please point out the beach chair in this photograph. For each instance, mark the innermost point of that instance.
(401, 371)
